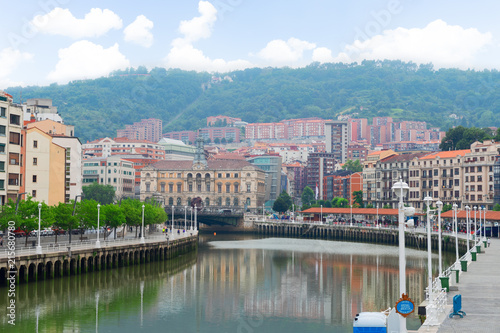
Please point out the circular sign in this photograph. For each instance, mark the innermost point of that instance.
(405, 306)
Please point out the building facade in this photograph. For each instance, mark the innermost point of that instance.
(147, 129)
(337, 139)
(123, 146)
(112, 170)
(271, 164)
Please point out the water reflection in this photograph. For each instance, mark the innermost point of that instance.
(253, 285)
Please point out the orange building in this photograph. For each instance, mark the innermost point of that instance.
(342, 184)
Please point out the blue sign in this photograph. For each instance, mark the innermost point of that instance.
(405, 307)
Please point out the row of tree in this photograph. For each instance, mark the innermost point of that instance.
(80, 215)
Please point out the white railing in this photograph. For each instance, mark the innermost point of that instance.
(436, 308)
(90, 244)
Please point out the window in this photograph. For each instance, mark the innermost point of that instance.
(479, 168)
(236, 176)
(2, 112)
(472, 188)
(35, 161)
(33, 193)
(190, 187)
(13, 158)
(162, 187)
(170, 188)
(2, 148)
(14, 179)
(2, 184)
(34, 178)
(219, 175)
(171, 201)
(479, 188)
(219, 188)
(472, 197)
(228, 188)
(199, 187)
(235, 189)
(148, 187)
(15, 119)
(472, 178)
(472, 169)
(228, 175)
(228, 201)
(15, 138)
(436, 172)
(436, 183)
(2, 130)
(208, 187)
(179, 175)
(179, 188)
(2, 166)
(249, 187)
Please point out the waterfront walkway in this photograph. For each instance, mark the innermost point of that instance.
(479, 287)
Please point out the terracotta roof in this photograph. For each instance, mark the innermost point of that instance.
(402, 157)
(490, 215)
(228, 156)
(446, 154)
(217, 164)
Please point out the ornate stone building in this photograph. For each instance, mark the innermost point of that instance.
(219, 183)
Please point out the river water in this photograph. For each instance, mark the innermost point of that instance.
(232, 284)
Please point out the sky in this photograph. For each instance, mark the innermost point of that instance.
(57, 41)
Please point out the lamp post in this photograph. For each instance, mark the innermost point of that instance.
(321, 215)
(263, 217)
(142, 231)
(39, 247)
(439, 205)
(467, 220)
(351, 214)
(172, 219)
(483, 233)
(185, 217)
(480, 224)
(376, 204)
(400, 188)
(455, 206)
(428, 201)
(191, 225)
(475, 223)
(97, 242)
(293, 212)
(195, 219)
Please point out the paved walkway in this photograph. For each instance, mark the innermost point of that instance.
(479, 287)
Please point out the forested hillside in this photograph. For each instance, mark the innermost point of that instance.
(183, 100)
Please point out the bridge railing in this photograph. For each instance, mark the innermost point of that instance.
(88, 244)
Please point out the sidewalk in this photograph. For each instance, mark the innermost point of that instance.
(479, 288)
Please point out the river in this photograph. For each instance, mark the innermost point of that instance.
(233, 283)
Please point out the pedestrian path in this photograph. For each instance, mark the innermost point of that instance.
(479, 287)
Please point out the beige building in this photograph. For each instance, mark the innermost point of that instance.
(219, 183)
(369, 175)
(45, 173)
(438, 175)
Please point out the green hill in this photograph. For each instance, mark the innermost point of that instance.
(183, 99)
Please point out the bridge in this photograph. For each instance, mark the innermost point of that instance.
(210, 216)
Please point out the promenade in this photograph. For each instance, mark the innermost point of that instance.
(479, 287)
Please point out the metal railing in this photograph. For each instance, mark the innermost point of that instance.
(90, 244)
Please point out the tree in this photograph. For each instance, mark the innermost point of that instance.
(353, 166)
(86, 213)
(114, 216)
(64, 218)
(387, 207)
(358, 197)
(27, 215)
(103, 194)
(461, 137)
(340, 202)
(217, 140)
(132, 209)
(307, 196)
(496, 208)
(280, 205)
(287, 199)
(446, 208)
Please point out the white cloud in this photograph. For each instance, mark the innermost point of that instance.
(442, 44)
(322, 54)
(199, 27)
(184, 55)
(139, 31)
(280, 52)
(86, 60)
(62, 22)
(10, 59)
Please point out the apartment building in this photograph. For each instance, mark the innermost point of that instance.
(123, 146)
(369, 174)
(147, 129)
(337, 139)
(45, 172)
(319, 165)
(220, 134)
(271, 164)
(11, 149)
(188, 137)
(111, 170)
(342, 184)
(212, 120)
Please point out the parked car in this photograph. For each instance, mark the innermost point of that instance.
(19, 233)
(58, 231)
(47, 232)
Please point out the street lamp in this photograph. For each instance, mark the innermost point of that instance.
(39, 247)
(455, 206)
(18, 199)
(191, 225)
(293, 213)
(195, 219)
(400, 188)
(142, 231)
(475, 223)
(351, 214)
(185, 218)
(263, 217)
(428, 201)
(439, 205)
(376, 204)
(172, 219)
(467, 220)
(483, 233)
(97, 242)
(321, 214)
